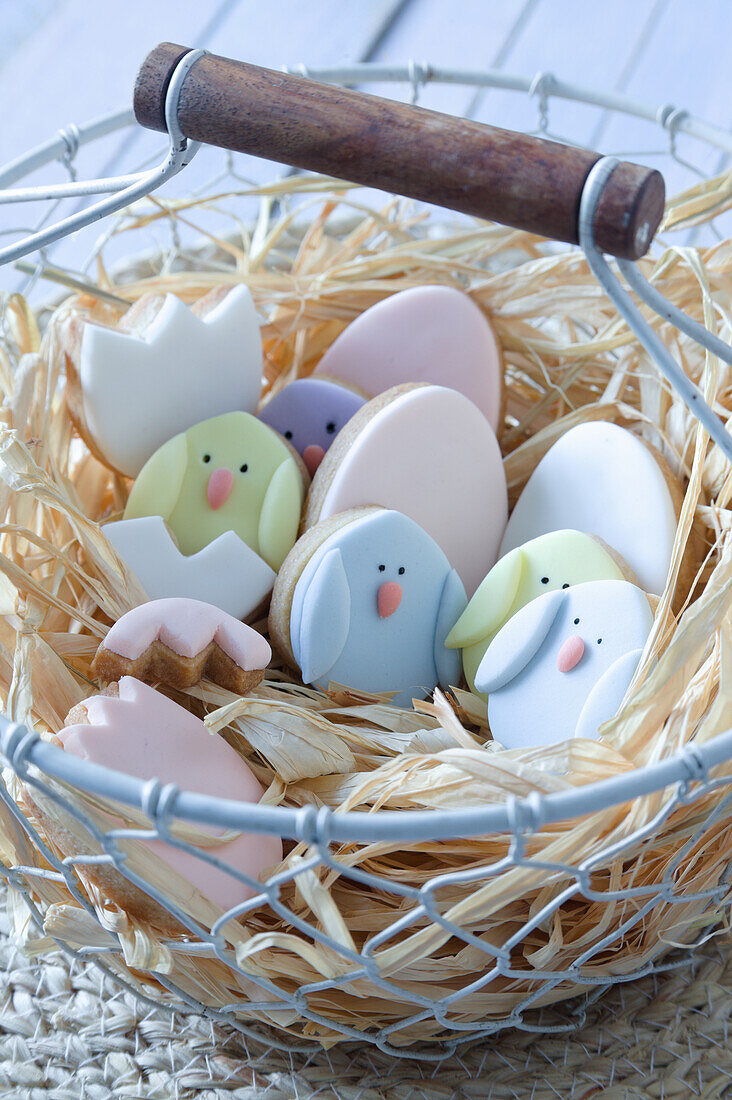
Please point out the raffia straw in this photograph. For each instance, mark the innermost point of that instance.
(569, 359)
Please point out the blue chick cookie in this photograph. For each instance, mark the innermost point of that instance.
(309, 413)
(372, 609)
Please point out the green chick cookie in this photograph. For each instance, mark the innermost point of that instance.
(558, 559)
(229, 473)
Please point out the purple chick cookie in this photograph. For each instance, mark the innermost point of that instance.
(309, 413)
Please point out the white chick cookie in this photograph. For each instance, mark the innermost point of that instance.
(562, 665)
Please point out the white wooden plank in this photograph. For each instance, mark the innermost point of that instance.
(685, 63)
(587, 44)
(461, 34)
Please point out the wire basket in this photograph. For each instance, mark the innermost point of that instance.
(462, 927)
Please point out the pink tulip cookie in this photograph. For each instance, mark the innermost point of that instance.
(603, 480)
(178, 641)
(137, 730)
(161, 370)
(429, 452)
(562, 665)
(433, 334)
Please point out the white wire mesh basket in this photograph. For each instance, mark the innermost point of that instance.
(696, 776)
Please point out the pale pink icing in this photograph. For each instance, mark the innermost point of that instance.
(431, 454)
(218, 489)
(570, 654)
(388, 598)
(187, 626)
(147, 735)
(425, 334)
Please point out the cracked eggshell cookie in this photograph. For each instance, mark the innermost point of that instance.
(309, 413)
(366, 599)
(561, 666)
(177, 642)
(137, 730)
(432, 334)
(429, 452)
(602, 479)
(230, 473)
(225, 573)
(161, 370)
(553, 561)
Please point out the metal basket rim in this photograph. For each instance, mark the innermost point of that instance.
(22, 747)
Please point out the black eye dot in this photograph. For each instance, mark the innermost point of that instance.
(330, 427)
(401, 570)
(545, 580)
(382, 568)
(599, 641)
(243, 467)
(288, 434)
(565, 586)
(207, 458)
(576, 622)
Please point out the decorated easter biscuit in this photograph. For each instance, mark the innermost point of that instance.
(561, 666)
(555, 560)
(601, 479)
(366, 599)
(226, 573)
(230, 473)
(309, 413)
(432, 334)
(135, 729)
(162, 369)
(178, 641)
(429, 452)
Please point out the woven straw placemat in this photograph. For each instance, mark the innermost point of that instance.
(67, 1032)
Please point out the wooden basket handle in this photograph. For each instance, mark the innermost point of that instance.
(521, 181)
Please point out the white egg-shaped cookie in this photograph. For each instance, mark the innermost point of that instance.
(561, 666)
(429, 452)
(601, 479)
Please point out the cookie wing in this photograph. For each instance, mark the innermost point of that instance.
(604, 700)
(325, 620)
(157, 487)
(448, 662)
(518, 642)
(279, 518)
(491, 604)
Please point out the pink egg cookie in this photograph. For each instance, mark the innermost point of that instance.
(428, 452)
(178, 641)
(147, 735)
(432, 334)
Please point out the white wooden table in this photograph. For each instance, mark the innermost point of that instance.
(64, 61)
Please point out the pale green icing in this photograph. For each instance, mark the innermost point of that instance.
(562, 557)
(264, 506)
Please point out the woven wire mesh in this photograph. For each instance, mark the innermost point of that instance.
(360, 969)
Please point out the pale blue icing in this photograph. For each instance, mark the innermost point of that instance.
(530, 702)
(311, 411)
(336, 631)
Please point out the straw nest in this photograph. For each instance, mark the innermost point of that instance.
(568, 358)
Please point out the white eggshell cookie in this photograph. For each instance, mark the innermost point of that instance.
(140, 389)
